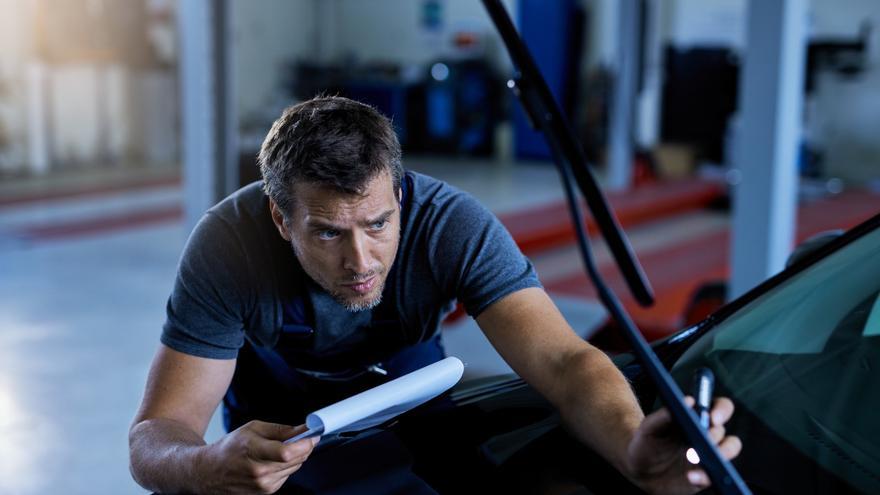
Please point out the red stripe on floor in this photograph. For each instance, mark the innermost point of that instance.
(103, 224)
(95, 190)
(550, 226)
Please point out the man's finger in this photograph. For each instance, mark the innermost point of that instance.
(275, 431)
(278, 458)
(261, 449)
(698, 478)
(716, 434)
(722, 410)
(730, 447)
(656, 422)
(298, 450)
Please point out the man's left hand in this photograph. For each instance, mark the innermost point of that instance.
(656, 455)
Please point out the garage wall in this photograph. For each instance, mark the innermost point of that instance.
(846, 111)
(79, 108)
(14, 46)
(273, 32)
(391, 29)
(706, 22)
(267, 35)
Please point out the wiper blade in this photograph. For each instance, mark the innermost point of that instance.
(539, 104)
(544, 115)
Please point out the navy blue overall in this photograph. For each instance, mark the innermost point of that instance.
(285, 383)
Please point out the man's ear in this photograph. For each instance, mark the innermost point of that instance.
(278, 220)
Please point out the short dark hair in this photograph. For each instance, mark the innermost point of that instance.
(329, 141)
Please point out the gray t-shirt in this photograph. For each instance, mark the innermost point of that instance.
(236, 272)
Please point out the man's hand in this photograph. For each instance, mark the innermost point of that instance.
(656, 454)
(254, 458)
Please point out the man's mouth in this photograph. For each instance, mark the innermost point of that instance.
(362, 287)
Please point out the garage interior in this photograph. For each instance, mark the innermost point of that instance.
(724, 133)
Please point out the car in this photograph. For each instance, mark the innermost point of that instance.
(799, 356)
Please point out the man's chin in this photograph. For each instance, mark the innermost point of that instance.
(360, 304)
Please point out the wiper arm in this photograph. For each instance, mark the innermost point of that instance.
(544, 115)
(535, 96)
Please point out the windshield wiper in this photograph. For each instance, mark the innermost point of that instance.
(541, 107)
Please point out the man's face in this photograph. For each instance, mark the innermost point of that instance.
(346, 243)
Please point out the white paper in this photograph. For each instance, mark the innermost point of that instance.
(379, 404)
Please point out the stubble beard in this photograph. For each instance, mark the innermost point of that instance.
(355, 306)
(349, 305)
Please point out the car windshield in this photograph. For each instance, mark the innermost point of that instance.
(802, 363)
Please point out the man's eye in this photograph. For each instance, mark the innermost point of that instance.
(378, 225)
(328, 234)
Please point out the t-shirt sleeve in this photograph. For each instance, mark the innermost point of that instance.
(207, 307)
(474, 258)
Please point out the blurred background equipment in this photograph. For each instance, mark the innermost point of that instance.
(121, 121)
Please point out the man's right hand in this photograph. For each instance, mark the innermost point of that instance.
(254, 458)
(167, 448)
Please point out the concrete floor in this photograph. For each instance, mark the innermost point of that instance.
(80, 318)
(80, 321)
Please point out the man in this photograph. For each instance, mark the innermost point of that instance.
(336, 272)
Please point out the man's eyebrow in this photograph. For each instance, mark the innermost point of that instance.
(382, 217)
(314, 223)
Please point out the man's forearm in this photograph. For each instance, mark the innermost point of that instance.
(598, 405)
(165, 456)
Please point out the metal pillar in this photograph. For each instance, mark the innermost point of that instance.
(647, 129)
(624, 97)
(209, 130)
(764, 202)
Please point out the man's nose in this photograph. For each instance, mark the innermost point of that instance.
(356, 257)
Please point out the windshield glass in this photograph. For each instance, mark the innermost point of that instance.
(802, 363)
